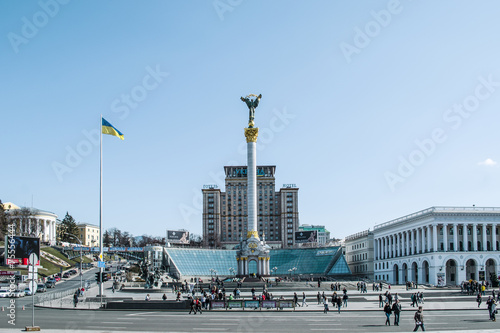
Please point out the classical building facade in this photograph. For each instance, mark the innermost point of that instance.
(225, 214)
(359, 254)
(439, 246)
(33, 222)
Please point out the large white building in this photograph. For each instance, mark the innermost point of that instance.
(33, 222)
(439, 246)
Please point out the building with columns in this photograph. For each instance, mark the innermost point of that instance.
(33, 222)
(438, 246)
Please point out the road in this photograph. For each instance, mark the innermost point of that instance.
(247, 321)
(61, 286)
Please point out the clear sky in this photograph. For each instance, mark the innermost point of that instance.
(375, 109)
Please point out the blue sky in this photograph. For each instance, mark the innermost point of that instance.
(375, 109)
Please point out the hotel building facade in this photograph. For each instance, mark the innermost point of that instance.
(225, 214)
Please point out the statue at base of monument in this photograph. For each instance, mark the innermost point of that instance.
(252, 104)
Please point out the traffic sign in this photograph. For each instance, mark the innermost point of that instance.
(101, 264)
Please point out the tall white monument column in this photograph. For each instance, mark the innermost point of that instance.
(253, 249)
(251, 136)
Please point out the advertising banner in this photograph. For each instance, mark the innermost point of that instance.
(252, 304)
(178, 237)
(306, 236)
(19, 248)
(285, 304)
(217, 305)
(234, 304)
(268, 304)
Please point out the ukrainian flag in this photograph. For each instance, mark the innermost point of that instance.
(107, 128)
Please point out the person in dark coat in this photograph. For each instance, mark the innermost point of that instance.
(396, 309)
(419, 319)
(388, 311)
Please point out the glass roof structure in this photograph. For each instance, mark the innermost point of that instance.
(203, 262)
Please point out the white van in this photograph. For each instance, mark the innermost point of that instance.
(4, 293)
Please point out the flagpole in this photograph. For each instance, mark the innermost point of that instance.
(101, 257)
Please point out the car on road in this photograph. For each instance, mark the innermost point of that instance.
(27, 291)
(17, 293)
(50, 284)
(73, 272)
(57, 278)
(66, 275)
(41, 288)
(4, 293)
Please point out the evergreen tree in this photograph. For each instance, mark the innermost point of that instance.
(106, 239)
(68, 229)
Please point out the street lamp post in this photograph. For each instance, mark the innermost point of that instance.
(81, 248)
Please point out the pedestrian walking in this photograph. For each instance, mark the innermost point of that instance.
(419, 319)
(344, 298)
(380, 301)
(75, 299)
(296, 299)
(493, 310)
(396, 309)
(304, 299)
(193, 306)
(325, 304)
(479, 299)
(387, 311)
(339, 303)
(198, 305)
(318, 297)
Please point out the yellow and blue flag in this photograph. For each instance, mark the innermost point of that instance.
(107, 128)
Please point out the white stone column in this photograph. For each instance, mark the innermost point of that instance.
(380, 249)
(485, 239)
(494, 237)
(45, 228)
(474, 237)
(455, 238)
(386, 247)
(434, 238)
(53, 233)
(397, 245)
(393, 247)
(465, 236)
(445, 237)
(417, 231)
(402, 245)
(423, 239)
(413, 241)
(407, 242)
(429, 238)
